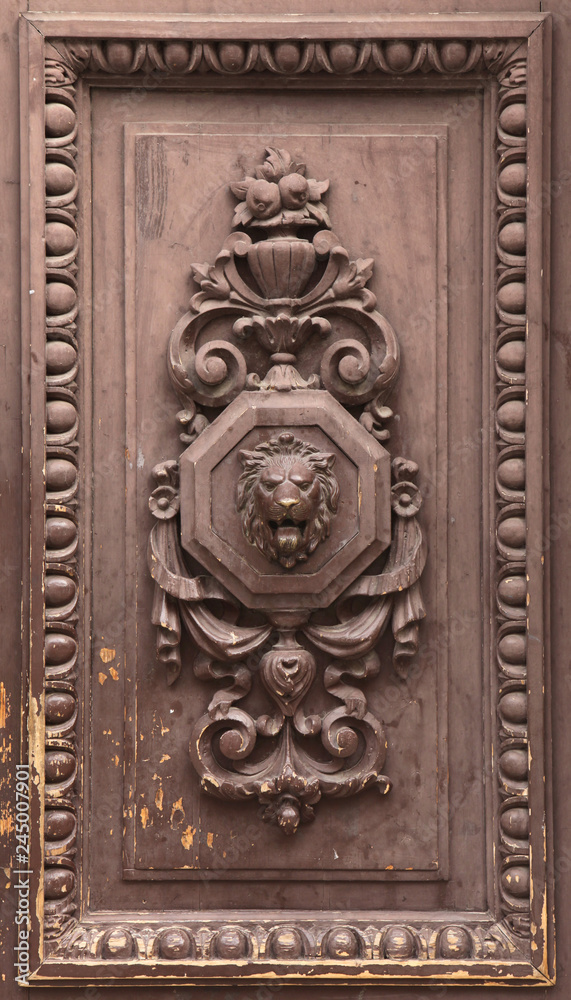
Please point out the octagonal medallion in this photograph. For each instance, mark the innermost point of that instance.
(285, 499)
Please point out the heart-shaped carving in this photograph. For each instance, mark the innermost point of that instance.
(288, 673)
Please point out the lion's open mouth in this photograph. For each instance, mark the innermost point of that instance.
(287, 534)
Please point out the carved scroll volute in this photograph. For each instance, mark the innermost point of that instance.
(286, 499)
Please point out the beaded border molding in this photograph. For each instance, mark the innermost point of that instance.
(513, 941)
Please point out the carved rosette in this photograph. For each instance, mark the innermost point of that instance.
(514, 876)
(62, 481)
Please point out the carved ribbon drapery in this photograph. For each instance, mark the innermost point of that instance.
(290, 781)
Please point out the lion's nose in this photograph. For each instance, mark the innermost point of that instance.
(288, 502)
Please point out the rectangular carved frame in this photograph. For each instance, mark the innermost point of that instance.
(61, 58)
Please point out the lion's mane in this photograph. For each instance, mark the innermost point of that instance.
(284, 451)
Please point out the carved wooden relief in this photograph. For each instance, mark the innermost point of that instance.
(61, 499)
(304, 471)
(316, 505)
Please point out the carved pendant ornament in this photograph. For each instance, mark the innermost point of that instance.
(304, 530)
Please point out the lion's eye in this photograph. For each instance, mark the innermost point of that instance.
(305, 486)
(270, 487)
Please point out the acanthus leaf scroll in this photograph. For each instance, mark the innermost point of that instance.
(312, 500)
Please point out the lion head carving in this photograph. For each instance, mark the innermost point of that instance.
(287, 496)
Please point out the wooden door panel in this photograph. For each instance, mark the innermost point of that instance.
(423, 142)
(168, 838)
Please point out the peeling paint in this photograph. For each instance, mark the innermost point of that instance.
(114, 673)
(187, 838)
(210, 839)
(5, 751)
(177, 807)
(165, 756)
(6, 820)
(144, 817)
(102, 677)
(4, 706)
(544, 967)
(107, 655)
(159, 799)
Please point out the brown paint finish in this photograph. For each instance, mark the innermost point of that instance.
(395, 921)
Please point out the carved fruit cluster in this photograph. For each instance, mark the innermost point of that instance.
(280, 194)
(514, 872)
